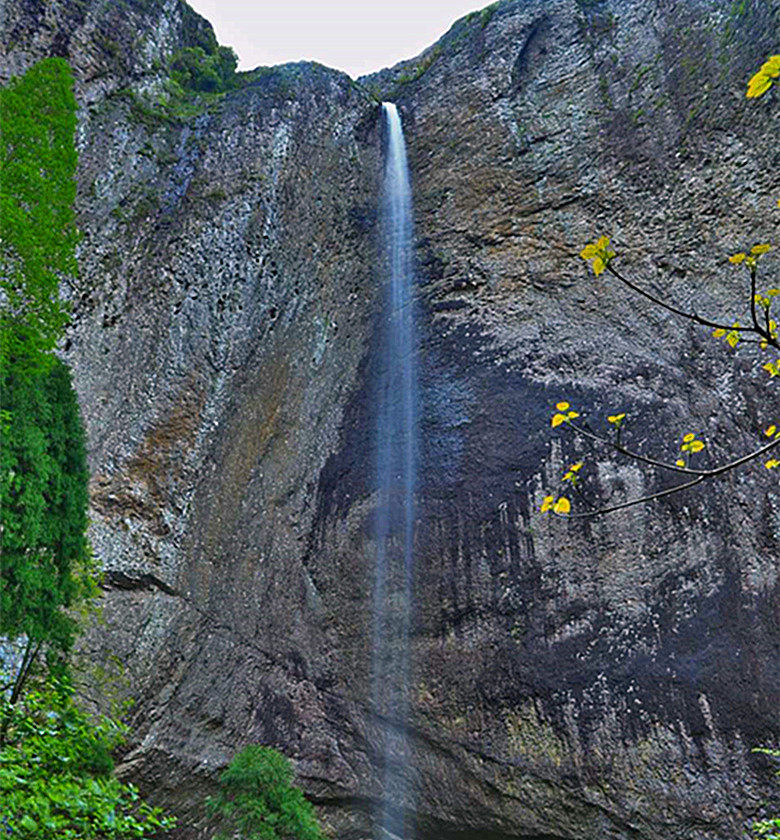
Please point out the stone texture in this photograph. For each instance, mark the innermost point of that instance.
(600, 678)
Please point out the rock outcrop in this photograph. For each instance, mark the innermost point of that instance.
(597, 678)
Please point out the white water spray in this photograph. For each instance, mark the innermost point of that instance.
(396, 478)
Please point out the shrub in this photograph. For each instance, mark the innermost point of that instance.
(56, 774)
(258, 800)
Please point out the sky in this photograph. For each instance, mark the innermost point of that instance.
(357, 36)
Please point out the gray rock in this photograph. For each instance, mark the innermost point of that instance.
(599, 678)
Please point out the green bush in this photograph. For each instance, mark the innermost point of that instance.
(56, 774)
(195, 69)
(258, 800)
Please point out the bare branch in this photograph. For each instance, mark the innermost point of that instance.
(701, 475)
(636, 456)
(753, 313)
(691, 316)
(633, 502)
(765, 334)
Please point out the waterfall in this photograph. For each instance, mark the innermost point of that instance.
(396, 433)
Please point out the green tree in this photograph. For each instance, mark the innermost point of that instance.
(257, 800)
(38, 234)
(44, 553)
(195, 69)
(45, 562)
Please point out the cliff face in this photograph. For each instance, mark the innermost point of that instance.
(598, 678)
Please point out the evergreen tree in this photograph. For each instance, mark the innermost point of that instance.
(38, 234)
(43, 474)
(258, 801)
(43, 503)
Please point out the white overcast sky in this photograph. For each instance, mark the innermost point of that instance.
(357, 36)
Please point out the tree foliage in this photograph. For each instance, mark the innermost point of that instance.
(55, 764)
(38, 234)
(56, 776)
(195, 69)
(44, 554)
(257, 800)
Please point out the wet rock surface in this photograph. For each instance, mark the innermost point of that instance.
(600, 678)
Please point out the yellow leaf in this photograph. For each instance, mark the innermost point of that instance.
(572, 414)
(680, 462)
(733, 339)
(772, 463)
(771, 66)
(589, 251)
(603, 243)
(557, 420)
(719, 333)
(737, 258)
(697, 446)
(760, 249)
(598, 266)
(758, 85)
(562, 505)
(547, 503)
(771, 430)
(689, 437)
(576, 467)
(562, 406)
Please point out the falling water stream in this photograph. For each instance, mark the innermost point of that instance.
(396, 476)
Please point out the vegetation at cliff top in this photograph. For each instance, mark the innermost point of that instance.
(257, 800)
(194, 69)
(761, 331)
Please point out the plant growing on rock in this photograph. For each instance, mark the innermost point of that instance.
(257, 800)
(56, 773)
(194, 69)
(759, 331)
(768, 829)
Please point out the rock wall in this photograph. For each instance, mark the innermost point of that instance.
(599, 678)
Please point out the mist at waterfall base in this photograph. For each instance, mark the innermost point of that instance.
(396, 459)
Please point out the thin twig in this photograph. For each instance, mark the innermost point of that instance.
(636, 456)
(753, 314)
(633, 502)
(701, 475)
(692, 316)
